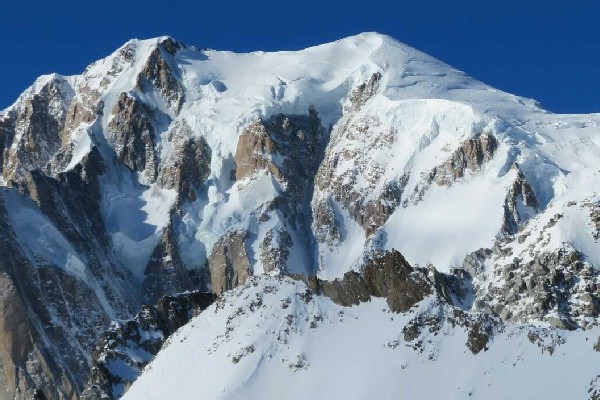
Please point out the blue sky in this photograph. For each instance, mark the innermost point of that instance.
(547, 50)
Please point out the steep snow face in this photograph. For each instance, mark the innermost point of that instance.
(273, 339)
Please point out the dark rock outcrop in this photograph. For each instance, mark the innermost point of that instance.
(165, 272)
(341, 186)
(158, 73)
(36, 125)
(388, 275)
(385, 274)
(7, 129)
(559, 287)
(480, 328)
(71, 200)
(275, 250)
(268, 145)
(58, 312)
(594, 208)
(229, 263)
(254, 152)
(594, 389)
(132, 133)
(478, 337)
(127, 346)
(520, 204)
(470, 156)
(289, 147)
(26, 364)
(363, 92)
(189, 165)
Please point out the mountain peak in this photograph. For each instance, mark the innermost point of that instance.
(355, 183)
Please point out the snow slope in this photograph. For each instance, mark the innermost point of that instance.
(266, 341)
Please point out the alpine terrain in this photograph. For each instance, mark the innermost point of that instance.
(354, 220)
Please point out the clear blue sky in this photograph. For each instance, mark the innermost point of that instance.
(547, 50)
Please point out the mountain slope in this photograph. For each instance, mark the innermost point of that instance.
(164, 168)
(269, 340)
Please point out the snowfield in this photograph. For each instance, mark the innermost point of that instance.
(268, 340)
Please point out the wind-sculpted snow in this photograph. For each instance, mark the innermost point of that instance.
(164, 168)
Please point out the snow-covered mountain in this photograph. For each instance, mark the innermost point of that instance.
(269, 340)
(363, 168)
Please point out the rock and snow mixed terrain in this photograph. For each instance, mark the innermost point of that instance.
(164, 168)
(270, 340)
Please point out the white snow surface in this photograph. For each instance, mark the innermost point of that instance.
(264, 341)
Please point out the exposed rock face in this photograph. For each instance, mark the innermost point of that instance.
(25, 365)
(385, 275)
(86, 106)
(32, 132)
(269, 145)
(388, 275)
(479, 336)
(7, 128)
(325, 225)
(254, 151)
(16, 341)
(375, 213)
(57, 303)
(474, 263)
(275, 250)
(594, 389)
(362, 93)
(341, 186)
(70, 200)
(470, 156)
(158, 72)
(127, 346)
(369, 213)
(432, 321)
(80, 112)
(229, 263)
(189, 166)
(560, 288)
(62, 312)
(290, 148)
(47, 305)
(165, 272)
(520, 204)
(132, 133)
(594, 217)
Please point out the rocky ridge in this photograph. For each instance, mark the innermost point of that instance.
(127, 346)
